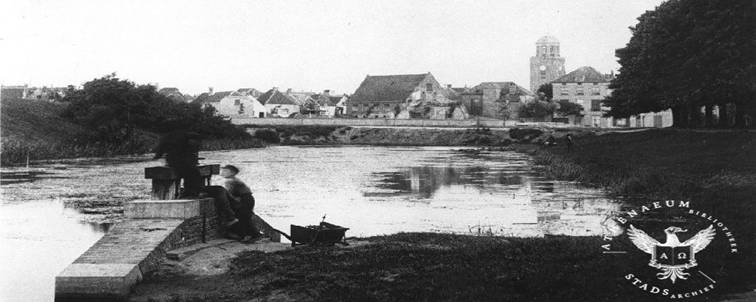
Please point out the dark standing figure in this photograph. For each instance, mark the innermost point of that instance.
(181, 150)
(569, 140)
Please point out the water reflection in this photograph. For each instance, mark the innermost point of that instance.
(495, 181)
(424, 181)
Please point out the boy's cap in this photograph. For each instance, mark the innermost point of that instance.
(231, 167)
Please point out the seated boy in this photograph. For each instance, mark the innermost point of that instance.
(243, 202)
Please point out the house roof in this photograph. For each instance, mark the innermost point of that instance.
(334, 100)
(450, 93)
(460, 90)
(300, 97)
(206, 98)
(502, 85)
(273, 96)
(326, 100)
(387, 88)
(582, 74)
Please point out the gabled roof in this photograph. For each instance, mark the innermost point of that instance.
(450, 93)
(206, 98)
(326, 100)
(387, 88)
(300, 97)
(334, 100)
(460, 90)
(504, 86)
(276, 97)
(585, 74)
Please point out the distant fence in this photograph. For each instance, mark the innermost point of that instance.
(372, 122)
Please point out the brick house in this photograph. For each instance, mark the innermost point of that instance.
(386, 96)
(241, 103)
(210, 98)
(500, 100)
(281, 104)
(587, 87)
(330, 105)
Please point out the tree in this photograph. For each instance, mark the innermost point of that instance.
(310, 107)
(537, 109)
(569, 108)
(547, 90)
(687, 55)
(115, 108)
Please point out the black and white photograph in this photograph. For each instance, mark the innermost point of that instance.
(377, 150)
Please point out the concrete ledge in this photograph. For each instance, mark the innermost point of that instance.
(96, 281)
(177, 208)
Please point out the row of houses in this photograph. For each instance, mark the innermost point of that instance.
(249, 102)
(421, 96)
(25, 92)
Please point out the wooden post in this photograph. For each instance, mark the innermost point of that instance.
(166, 183)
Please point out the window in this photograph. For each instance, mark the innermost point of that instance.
(595, 105)
(595, 91)
(237, 102)
(429, 87)
(564, 91)
(579, 91)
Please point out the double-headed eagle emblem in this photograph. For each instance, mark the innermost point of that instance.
(672, 257)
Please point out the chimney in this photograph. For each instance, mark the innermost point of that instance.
(288, 91)
(209, 90)
(327, 92)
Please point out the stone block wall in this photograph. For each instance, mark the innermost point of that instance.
(203, 227)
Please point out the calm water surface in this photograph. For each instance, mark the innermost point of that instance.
(371, 190)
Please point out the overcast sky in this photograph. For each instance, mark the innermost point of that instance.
(305, 45)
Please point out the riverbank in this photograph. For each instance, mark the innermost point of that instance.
(408, 136)
(712, 170)
(35, 130)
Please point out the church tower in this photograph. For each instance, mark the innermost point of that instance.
(546, 65)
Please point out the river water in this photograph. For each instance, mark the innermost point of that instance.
(371, 190)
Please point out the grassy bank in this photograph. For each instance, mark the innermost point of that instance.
(714, 170)
(35, 129)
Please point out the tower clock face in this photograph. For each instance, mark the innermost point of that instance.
(542, 68)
